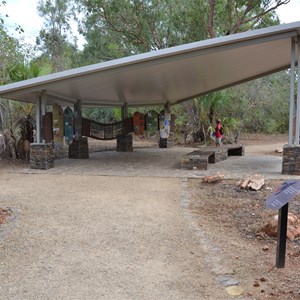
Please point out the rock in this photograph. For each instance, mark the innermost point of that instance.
(263, 279)
(228, 281)
(234, 290)
(278, 150)
(293, 228)
(5, 214)
(255, 182)
(265, 248)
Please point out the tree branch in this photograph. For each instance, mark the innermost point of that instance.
(211, 30)
(243, 20)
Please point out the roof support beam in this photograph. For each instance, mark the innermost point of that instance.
(62, 98)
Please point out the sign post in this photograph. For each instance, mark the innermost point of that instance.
(280, 200)
(281, 238)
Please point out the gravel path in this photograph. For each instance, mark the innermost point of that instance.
(96, 237)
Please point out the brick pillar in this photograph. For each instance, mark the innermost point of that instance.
(41, 156)
(79, 149)
(163, 143)
(124, 143)
(291, 160)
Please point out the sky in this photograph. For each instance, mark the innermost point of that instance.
(24, 13)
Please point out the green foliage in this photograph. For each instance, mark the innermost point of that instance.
(263, 105)
(53, 39)
(101, 115)
(21, 71)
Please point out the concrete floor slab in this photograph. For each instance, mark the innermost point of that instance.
(156, 162)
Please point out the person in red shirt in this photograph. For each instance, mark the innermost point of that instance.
(218, 133)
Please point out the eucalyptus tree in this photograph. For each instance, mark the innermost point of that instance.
(144, 25)
(120, 28)
(54, 37)
(232, 16)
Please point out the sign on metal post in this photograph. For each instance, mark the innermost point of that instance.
(279, 200)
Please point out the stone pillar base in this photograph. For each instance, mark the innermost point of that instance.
(124, 143)
(41, 156)
(79, 149)
(163, 143)
(291, 160)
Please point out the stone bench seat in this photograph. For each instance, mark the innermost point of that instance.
(200, 158)
(235, 150)
(192, 162)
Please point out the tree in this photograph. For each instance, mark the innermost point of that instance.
(234, 16)
(122, 28)
(262, 105)
(53, 38)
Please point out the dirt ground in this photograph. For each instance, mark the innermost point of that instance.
(232, 219)
(226, 218)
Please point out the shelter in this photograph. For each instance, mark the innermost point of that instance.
(172, 75)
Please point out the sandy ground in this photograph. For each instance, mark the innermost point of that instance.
(77, 237)
(110, 237)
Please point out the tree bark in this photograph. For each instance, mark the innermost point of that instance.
(211, 30)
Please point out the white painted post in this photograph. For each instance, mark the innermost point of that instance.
(44, 102)
(44, 105)
(38, 119)
(298, 98)
(292, 93)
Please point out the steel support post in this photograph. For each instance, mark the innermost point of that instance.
(298, 99)
(292, 94)
(281, 238)
(38, 119)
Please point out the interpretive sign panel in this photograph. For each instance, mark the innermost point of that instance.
(69, 123)
(58, 124)
(283, 194)
(164, 123)
(152, 120)
(138, 123)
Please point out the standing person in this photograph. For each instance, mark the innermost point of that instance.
(218, 133)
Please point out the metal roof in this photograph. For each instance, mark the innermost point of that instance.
(175, 74)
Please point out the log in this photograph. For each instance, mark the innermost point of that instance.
(213, 178)
(255, 182)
